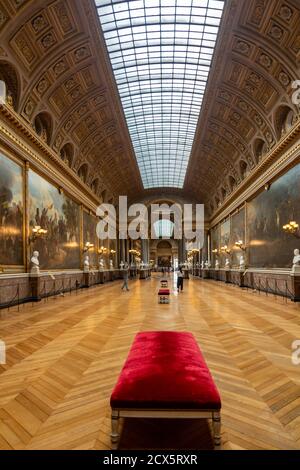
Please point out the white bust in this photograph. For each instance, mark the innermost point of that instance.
(296, 261)
(217, 264)
(101, 264)
(86, 264)
(111, 266)
(34, 263)
(121, 265)
(227, 263)
(242, 262)
(142, 265)
(202, 264)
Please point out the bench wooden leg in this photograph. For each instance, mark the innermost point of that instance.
(216, 418)
(114, 427)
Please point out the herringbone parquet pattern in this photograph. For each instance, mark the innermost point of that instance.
(64, 356)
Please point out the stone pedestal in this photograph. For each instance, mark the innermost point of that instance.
(206, 273)
(295, 287)
(35, 285)
(237, 277)
(144, 273)
(86, 279)
(185, 274)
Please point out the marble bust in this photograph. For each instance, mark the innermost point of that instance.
(217, 264)
(111, 266)
(121, 265)
(86, 264)
(296, 261)
(242, 263)
(202, 264)
(227, 263)
(101, 264)
(206, 264)
(34, 263)
(142, 265)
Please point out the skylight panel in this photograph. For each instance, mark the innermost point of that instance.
(161, 52)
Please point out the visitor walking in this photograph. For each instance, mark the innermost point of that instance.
(179, 279)
(125, 277)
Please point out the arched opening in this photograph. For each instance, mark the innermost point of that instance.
(259, 149)
(243, 169)
(284, 116)
(43, 126)
(95, 185)
(103, 195)
(164, 228)
(9, 76)
(83, 172)
(164, 254)
(67, 154)
(232, 182)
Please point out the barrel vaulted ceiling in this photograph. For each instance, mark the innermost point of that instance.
(57, 49)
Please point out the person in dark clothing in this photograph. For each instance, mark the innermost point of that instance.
(179, 279)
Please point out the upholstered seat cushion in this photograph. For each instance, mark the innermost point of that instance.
(165, 370)
(164, 292)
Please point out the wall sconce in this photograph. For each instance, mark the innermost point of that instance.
(102, 250)
(225, 249)
(135, 252)
(88, 246)
(113, 252)
(215, 251)
(37, 232)
(267, 186)
(239, 244)
(292, 228)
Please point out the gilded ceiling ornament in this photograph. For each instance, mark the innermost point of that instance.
(243, 47)
(243, 106)
(265, 61)
(225, 95)
(3, 18)
(81, 53)
(285, 12)
(258, 120)
(284, 78)
(42, 86)
(39, 23)
(60, 67)
(48, 41)
(276, 32)
(29, 107)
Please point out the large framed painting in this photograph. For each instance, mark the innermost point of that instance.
(60, 216)
(269, 245)
(224, 239)
(90, 236)
(215, 242)
(237, 234)
(11, 212)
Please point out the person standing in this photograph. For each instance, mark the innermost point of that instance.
(125, 277)
(179, 279)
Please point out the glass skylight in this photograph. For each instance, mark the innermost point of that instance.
(161, 52)
(163, 228)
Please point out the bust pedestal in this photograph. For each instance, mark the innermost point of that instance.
(35, 286)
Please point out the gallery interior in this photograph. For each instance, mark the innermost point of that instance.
(166, 102)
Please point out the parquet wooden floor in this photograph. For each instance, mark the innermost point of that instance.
(64, 357)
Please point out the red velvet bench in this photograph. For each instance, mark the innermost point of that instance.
(164, 296)
(165, 376)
